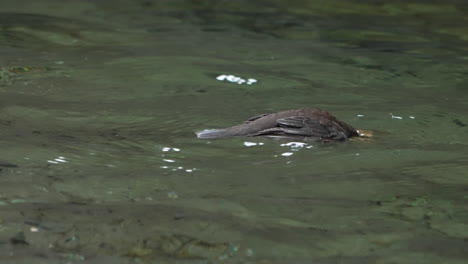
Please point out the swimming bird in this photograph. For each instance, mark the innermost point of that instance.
(304, 124)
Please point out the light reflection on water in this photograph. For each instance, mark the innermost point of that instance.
(58, 160)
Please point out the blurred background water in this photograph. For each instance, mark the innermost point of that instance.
(99, 101)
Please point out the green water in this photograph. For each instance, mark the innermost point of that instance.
(99, 102)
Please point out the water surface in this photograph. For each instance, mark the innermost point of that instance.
(99, 103)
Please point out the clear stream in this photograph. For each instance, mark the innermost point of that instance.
(99, 102)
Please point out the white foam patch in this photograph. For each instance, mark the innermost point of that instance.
(396, 117)
(251, 144)
(251, 81)
(294, 144)
(235, 79)
(167, 149)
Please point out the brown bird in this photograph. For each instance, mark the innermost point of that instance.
(306, 123)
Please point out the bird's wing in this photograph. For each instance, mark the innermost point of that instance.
(253, 118)
(306, 127)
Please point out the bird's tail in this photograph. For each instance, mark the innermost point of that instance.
(213, 133)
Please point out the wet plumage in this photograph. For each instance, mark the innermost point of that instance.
(305, 123)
